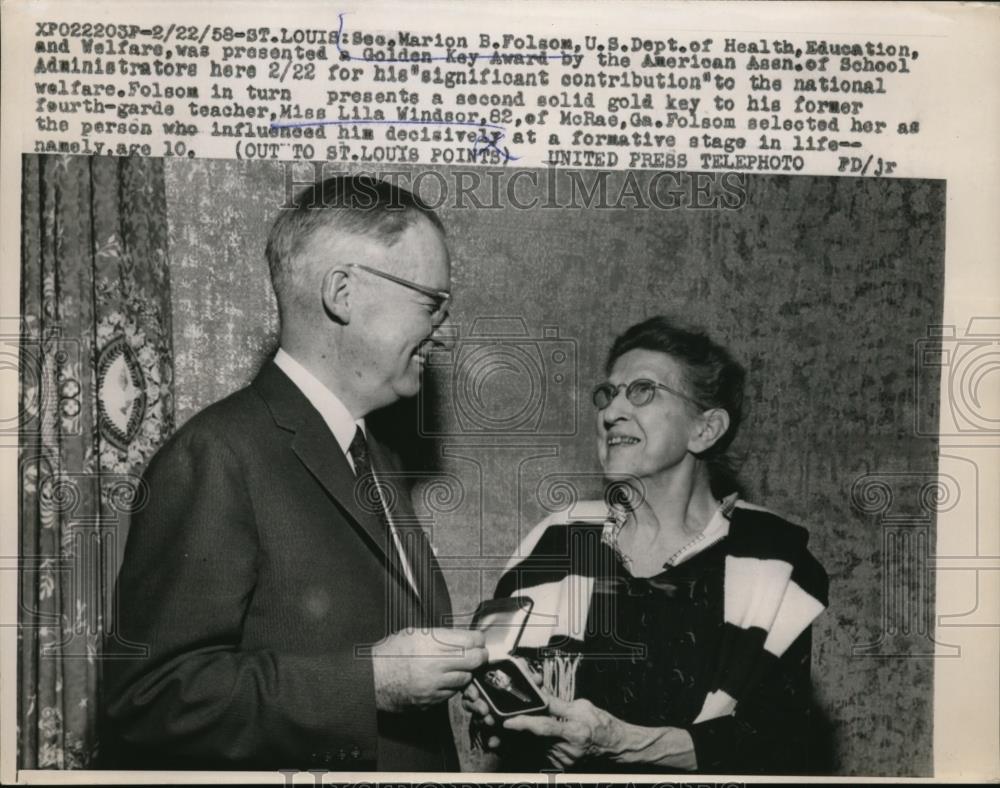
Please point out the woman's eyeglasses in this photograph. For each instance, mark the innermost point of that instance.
(639, 392)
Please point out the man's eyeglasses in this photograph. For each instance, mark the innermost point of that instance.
(639, 392)
(440, 298)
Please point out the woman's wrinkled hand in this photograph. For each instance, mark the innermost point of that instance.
(578, 729)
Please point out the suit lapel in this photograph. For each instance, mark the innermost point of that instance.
(319, 452)
(325, 461)
(321, 455)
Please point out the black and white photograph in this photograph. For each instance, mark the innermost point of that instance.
(515, 367)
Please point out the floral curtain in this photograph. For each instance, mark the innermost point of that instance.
(96, 402)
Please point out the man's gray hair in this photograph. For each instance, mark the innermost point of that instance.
(357, 204)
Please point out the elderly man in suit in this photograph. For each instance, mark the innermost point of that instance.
(289, 619)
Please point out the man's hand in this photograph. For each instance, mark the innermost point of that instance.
(419, 669)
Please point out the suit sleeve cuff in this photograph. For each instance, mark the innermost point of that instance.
(342, 692)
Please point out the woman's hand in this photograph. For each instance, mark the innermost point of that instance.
(580, 730)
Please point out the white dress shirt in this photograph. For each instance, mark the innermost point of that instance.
(343, 426)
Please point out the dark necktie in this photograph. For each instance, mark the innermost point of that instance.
(363, 468)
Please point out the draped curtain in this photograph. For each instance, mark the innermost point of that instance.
(96, 402)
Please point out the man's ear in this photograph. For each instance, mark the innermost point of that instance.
(337, 292)
(714, 424)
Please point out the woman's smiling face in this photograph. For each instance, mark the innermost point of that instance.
(646, 441)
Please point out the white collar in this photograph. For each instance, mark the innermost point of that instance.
(716, 530)
(334, 412)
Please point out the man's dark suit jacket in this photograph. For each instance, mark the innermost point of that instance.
(256, 577)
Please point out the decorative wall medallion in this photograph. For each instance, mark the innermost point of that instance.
(121, 393)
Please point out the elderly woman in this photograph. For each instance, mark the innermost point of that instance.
(671, 621)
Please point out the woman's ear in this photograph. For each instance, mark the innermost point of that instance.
(337, 291)
(714, 424)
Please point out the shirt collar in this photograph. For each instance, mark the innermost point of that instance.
(334, 412)
(716, 530)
